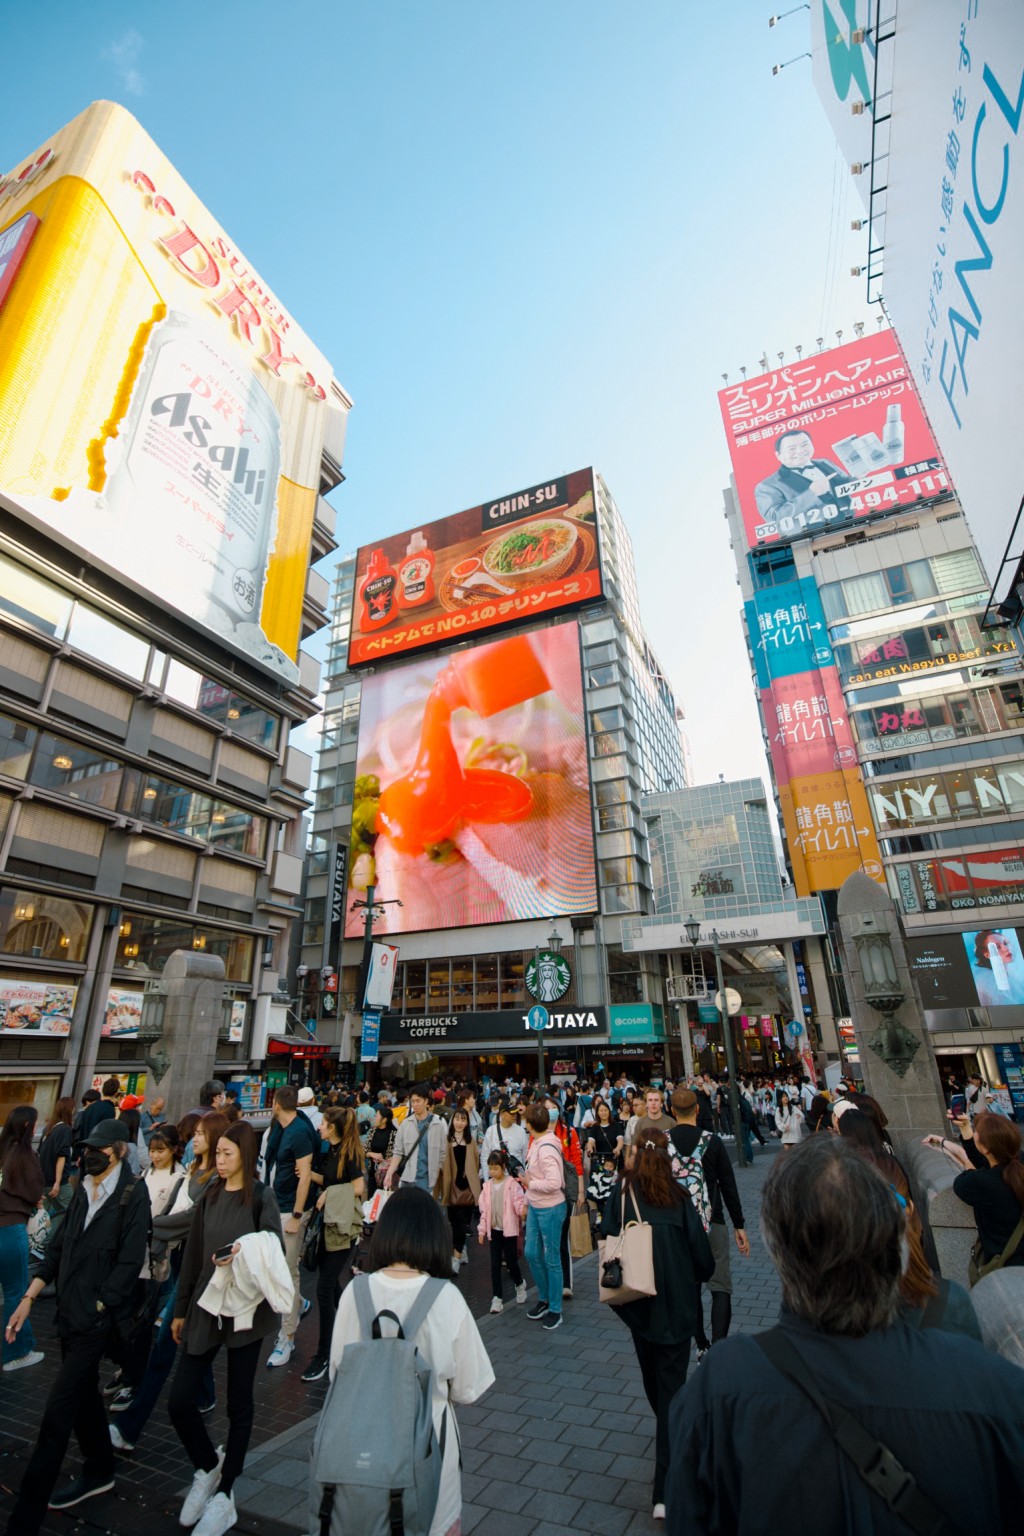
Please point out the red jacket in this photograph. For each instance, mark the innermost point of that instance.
(571, 1149)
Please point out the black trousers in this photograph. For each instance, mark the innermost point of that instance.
(459, 1217)
(663, 1371)
(563, 1250)
(506, 1248)
(187, 1393)
(74, 1403)
(333, 1274)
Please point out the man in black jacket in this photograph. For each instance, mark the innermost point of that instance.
(96, 1258)
(720, 1182)
(935, 1419)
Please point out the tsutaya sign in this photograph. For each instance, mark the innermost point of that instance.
(508, 1026)
(771, 928)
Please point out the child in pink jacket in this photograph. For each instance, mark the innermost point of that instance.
(502, 1204)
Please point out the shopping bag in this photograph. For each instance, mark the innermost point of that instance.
(580, 1241)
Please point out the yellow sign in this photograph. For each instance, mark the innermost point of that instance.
(828, 830)
(159, 409)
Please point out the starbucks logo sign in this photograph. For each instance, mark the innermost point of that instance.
(548, 977)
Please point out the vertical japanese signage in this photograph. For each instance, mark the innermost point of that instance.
(952, 85)
(829, 439)
(159, 409)
(824, 807)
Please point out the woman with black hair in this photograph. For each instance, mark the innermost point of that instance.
(341, 1163)
(21, 1190)
(381, 1145)
(458, 1184)
(234, 1207)
(412, 1242)
(55, 1156)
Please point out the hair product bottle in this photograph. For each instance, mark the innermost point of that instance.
(894, 435)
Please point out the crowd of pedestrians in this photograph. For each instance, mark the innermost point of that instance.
(157, 1274)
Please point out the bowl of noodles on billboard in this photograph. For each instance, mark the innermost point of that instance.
(472, 799)
(535, 551)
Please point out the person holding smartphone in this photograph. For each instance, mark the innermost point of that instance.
(229, 1210)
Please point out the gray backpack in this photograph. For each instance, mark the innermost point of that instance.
(375, 1465)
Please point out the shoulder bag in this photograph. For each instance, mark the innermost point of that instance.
(626, 1261)
(428, 1122)
(978, 1267)
(895, 1486)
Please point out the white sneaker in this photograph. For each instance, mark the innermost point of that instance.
(118, 1440)
(497, 1305)
(464, 1256)
(567, 1293)
(218, 1516)
(455, 1264)
(280, 1354)
(521, 1293)
(204, 1486)
(32, 1358)
(657, 1513)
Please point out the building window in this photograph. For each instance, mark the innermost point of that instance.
(16, 744)
(462, 984)
(438, 986)
(45, 927)
(146, 943)
(314, 924)
(415, 987)
(79, 772)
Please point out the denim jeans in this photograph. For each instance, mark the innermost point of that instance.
(14, 1283)
(543, 1242)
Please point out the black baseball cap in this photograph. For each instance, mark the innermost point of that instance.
(107, 1133)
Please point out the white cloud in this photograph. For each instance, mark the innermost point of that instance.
(124, 54)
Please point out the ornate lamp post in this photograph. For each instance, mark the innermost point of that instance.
(692, 927)
(892, 1042)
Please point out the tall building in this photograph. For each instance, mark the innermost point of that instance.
(892, 718)
(167, 437)
(477, 906)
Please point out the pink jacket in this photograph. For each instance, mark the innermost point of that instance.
(513, 1206)
(546, 1167)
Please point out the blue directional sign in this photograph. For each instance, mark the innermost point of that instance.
(538, 1017)
(370, 1044)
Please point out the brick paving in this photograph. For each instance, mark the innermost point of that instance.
(562, 1442)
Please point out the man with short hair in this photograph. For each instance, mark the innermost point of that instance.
(290, 1167)
(420, 1146)
(974, 1093)
(308, 1107)
(690, 1142)
(505, 1135)
(95, 1258)
(212, 1095)
(653, 1118)
(904, 1401)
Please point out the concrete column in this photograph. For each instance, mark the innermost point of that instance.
(182, 1059)
(824, 1018)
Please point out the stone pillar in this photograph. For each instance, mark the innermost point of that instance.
(181, 1058)
(896, 1058)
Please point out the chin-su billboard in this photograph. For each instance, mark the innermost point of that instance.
(160, 411)
(509, 561)
(827, 440)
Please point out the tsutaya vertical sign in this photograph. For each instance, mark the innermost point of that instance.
(159, 409)
(949, 148)
(824, 808)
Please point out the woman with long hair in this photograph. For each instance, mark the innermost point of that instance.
(381, 1145)
(789, 1120)
(458, 1184)
(604, 1137)
(411, 1247)
(55, 1156)
(236, 1206)
(661, 1325)
(342, 1163)
(21, 1189)
(992, 1184)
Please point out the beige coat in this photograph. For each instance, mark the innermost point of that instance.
(445, 1189)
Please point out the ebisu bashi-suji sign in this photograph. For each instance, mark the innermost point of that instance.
(160, 411)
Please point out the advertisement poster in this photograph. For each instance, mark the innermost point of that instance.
(159, 409)
(124, 1011)
(982, 968)
(508, 560)
(236, 1026)
(36, 1007)
(472, 793)
(826, 440)
(380, 980)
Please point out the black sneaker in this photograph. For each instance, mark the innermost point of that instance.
(78, 1491)
(539, 1309)
(316, 1370)
(553, 1320)
(205, 1408)
(114, 1385)
(123, 1400)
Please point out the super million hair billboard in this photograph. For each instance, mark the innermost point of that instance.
(927, 105)
(160, 410)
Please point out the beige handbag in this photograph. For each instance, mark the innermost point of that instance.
(626, 1262)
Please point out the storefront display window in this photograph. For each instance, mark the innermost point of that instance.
(146, 943)
(45, 927)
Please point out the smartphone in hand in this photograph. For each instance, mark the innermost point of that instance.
(224, 1255)
(958, 1105)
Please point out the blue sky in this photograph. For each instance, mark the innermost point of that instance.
(529, 236)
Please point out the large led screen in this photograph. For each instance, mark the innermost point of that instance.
(472, 796)
(823, 441)
(504, 562)
(982, 968)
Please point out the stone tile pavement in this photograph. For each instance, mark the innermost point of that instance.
(563, 1442)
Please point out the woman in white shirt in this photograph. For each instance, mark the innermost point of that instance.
(412, 1241)
(789, 1121)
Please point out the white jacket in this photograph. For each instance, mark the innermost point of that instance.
(258, 1272)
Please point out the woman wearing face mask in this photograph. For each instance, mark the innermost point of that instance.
(21, 1189)
(95, 1258)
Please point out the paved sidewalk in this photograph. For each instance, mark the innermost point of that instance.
(563, 1442)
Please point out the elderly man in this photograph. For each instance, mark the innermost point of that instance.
(842, 1418)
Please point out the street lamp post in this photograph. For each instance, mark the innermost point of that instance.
(555, 946)
(692, 927)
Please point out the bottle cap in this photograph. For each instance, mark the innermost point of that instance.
(416, 543)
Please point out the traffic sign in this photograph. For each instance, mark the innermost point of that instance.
(537, 1018)
(733, 1001)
